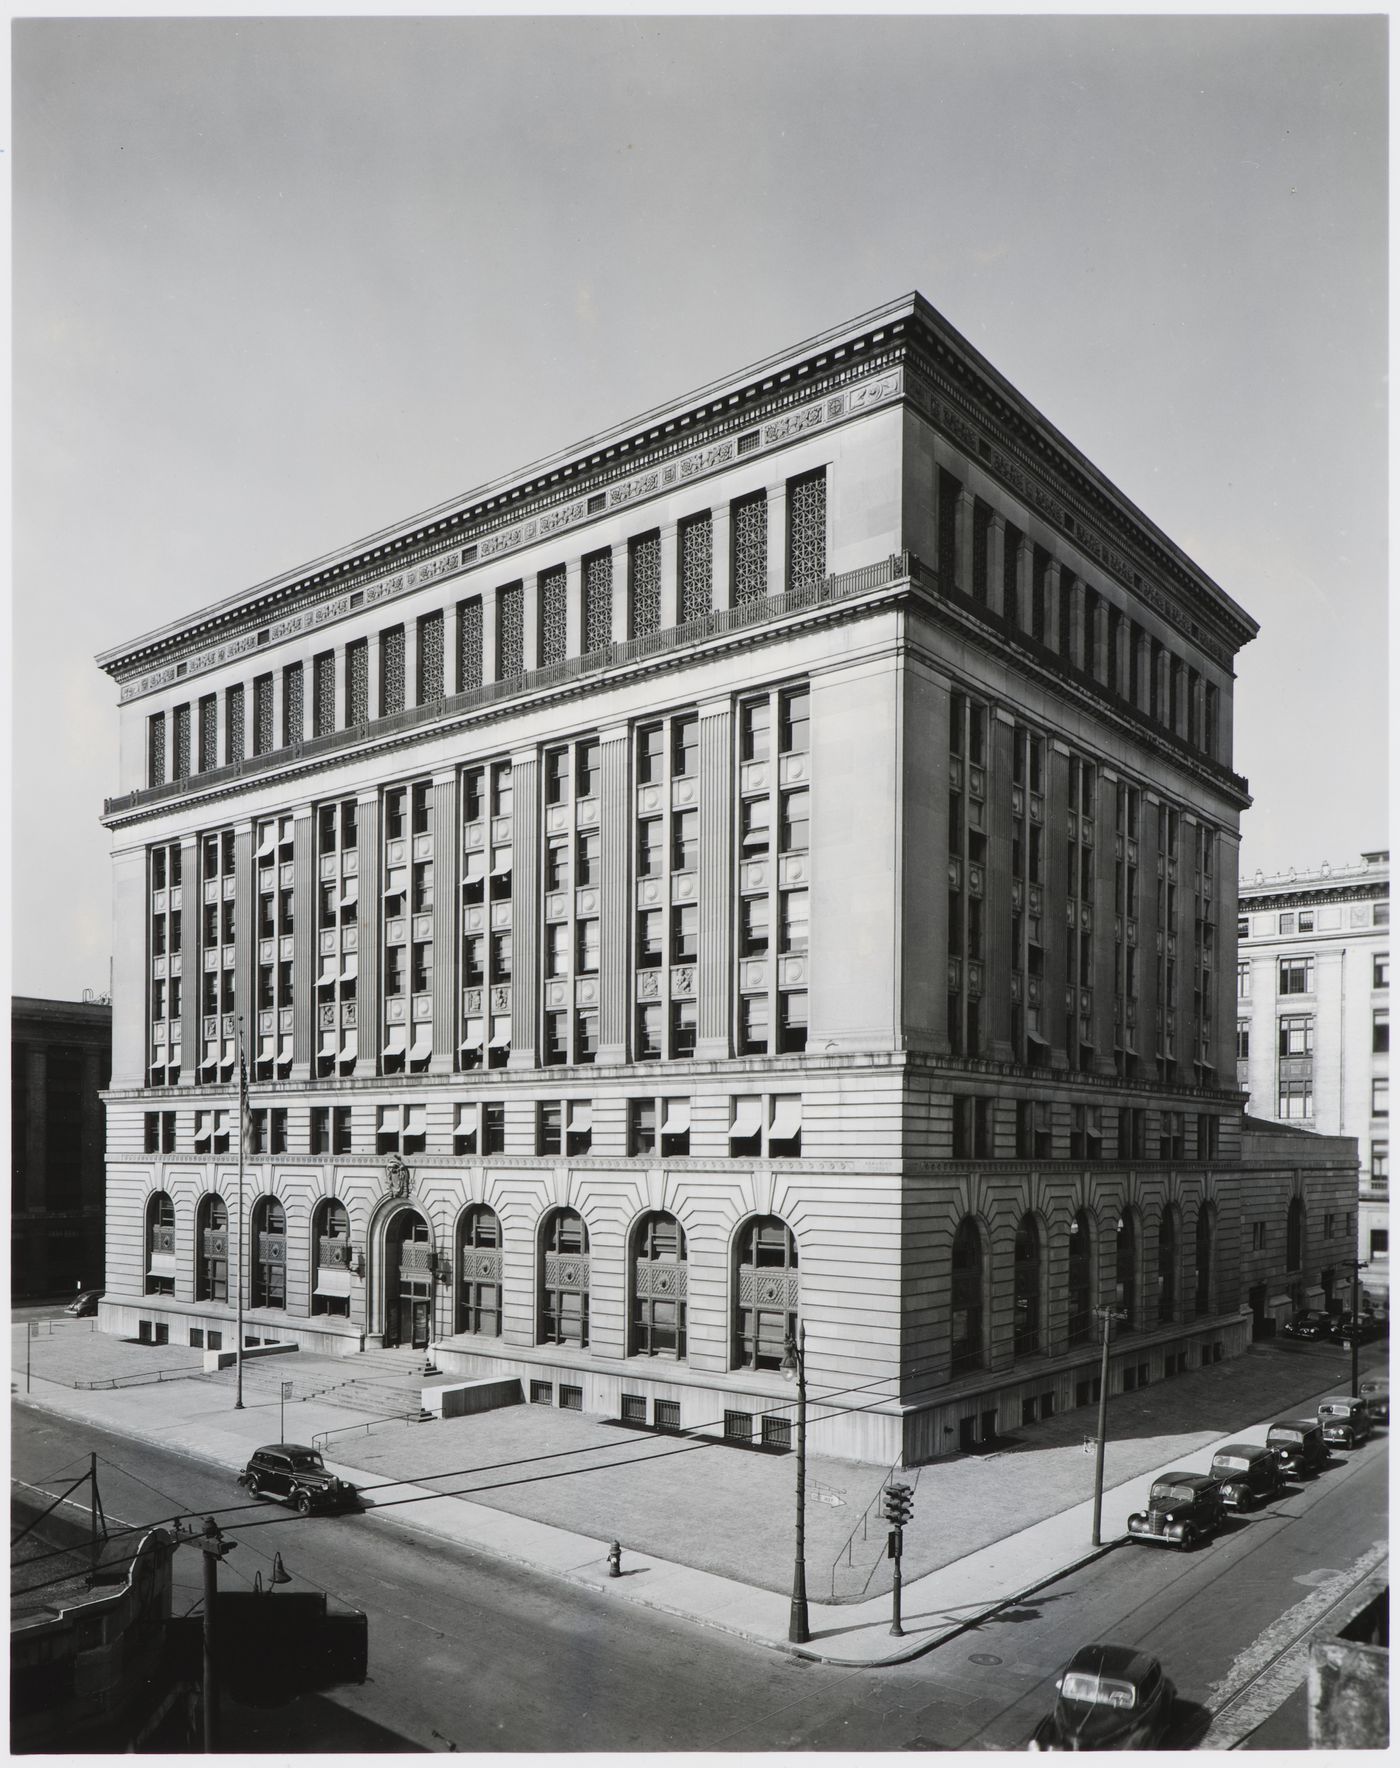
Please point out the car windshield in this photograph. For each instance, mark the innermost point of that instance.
(1334, 1409)
(1233, 1463)
(1097, 1691)
(1164, 1492)
(309, 1458)
(1285, 1436)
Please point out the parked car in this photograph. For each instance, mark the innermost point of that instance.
(1299, 1445)
(1248, 1473)
(1345, 1420)
(1111, 1697)
(1183, 1509)
(1375, 1390)
(295, 1475)
(1361, 1327)
(1310, 1323)
(85, 1303)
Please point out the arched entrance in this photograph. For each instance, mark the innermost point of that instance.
(408, 1280)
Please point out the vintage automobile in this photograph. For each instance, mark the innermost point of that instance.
(84, 1303)
(1310, 1323)
(1248, 1473)
(1183, 1509)
(1375, 1390)
(1345, 1420)
(1111, 1697)
(296, 1475)
(1361, 1327)
(1299, 1445)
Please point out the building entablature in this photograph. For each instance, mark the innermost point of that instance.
(866, 366)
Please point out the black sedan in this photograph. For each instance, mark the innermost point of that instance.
(1112, 1697)
(1361, 1327)
(1311, 1323)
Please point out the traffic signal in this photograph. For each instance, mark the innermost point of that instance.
(899, 1505)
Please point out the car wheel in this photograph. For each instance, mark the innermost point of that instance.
(1189, 1539)
(303, 1504)
(254, 1485)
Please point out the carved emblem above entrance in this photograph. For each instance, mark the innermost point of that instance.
(398, 1179)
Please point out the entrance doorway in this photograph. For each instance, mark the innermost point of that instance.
(408, 1278)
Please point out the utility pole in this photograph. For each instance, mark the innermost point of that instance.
(242, 1137)
(795, 1363)
(214, 1547)
(1108, 1316)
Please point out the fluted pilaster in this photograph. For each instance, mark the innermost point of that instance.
(447, 911)
(369, 994)
(996, 934)
(615, 970)
(304, 966)
(716, 965)
(525, 903)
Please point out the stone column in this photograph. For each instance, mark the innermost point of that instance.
(1098, 665)
(1053, 896)
(721, 558)
(777, 538)
(573, 607)
(1187, 1026)
(449, 648)
(245, 940)
(191, 1042)
(962, 533)
(369, 1001)
(1105, 918)
(1152, 933)
(1079, 654)
(996, 566)
(489, 663)
(374, 661)
(1025, 571)
(220, 726)
(447, 921)
(621, 595)
(670, 576)
(306, 966)
(1052, 605)
(715, 970)
(530, 620)
(410, 661)
(525, 890)
(340, 697)
(996, 926)
(614, 966)
(279, 692)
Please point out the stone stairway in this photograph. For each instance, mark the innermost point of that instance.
(378, 1383)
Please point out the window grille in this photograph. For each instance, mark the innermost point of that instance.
(431, 675)
(697, 551)
(750, 538)
(645, 562)
(510, 631)
(234, 723)
(155, 771)
(391, 671)
(541, 1393)
(469, 645)
(570, 1398)
(554, 622)
(667, 1414)
(634, 1408)
(262, 715)
(323, 695)
(597, 601)
(807, 530)
(777, 1433)
(293, 710)
(357, 683)
(738, 1426)
(208, 732)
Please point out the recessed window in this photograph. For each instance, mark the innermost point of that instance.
(1380, 970)
(1380, 1097)
(1380, 1031)
(1295, 976)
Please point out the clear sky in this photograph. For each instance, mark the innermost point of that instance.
(278, 284)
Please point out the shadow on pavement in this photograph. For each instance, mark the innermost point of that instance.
(1189, 1724)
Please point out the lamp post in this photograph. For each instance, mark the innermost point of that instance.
(794, 1365)
(1108, 1316)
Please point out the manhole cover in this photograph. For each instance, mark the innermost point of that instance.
(984, 1657)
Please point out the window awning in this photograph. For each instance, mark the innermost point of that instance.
(330, 968)
(398, 1040)
(676, 1121)
(329, 1041)
(203, 1130)
(352, 893)
(580, 1115)
(350, 1049)
(268, 844)
(476, 864)
(748, 1116)
(332, 1280)
(467, 1119)
(351, 967)
(502, 862)
(267, 1047)
(390, 1119)
(1036, 1038)
(398, 881)
(284, 1053)
(422, 1043)
(211, 1060)
(417, 1124)
(500, 1034)
(787, 1119)
(230, 1057)
(162, 1264)
(476, 1034)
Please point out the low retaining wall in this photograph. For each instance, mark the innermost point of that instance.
(459, 1398)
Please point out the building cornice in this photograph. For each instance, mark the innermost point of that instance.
(1252, 901)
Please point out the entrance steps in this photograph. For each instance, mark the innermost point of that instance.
(385, 1383)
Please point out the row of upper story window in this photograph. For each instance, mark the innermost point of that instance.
(760, 1126)
(983, 1124)
(1295, 1097)
(1295, 1034)
(1298, 975)
(1289, 922)
(192, 738)
(1044, 600)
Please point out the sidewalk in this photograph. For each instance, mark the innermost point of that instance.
(707, 1531)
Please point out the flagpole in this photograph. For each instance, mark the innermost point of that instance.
(242, 1133)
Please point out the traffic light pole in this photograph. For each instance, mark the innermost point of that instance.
(898, 1508)
(896, 1625)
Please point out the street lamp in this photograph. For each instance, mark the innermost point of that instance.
(794, 1367)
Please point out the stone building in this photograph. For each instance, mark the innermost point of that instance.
(775, 859)
(1312, 1030)
(60, 1062)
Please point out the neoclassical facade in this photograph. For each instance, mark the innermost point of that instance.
(774, 861)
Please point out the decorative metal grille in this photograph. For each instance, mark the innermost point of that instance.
(156, 766)
(646, 586)
(469, 646)
(807, 530)
(208, 732)
(163, 1240)
(215, 1243)
(332, 1249)
(391, 667)
(272, 1249)
(323, 696)
(697, 552)
(293, 706)
(415, 1257)
(235, 723)
(554, 617)
(750, 522)
(764, 1286)
(479, 1266)
(182, 742)
(262, 715)
(663, 1278)
(357, 686)
(597, 601)
(510, 631)
(430, 669)
(566, 1271)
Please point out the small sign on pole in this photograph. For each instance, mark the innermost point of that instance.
(286, 1395)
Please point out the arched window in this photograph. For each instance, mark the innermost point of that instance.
(1166, 1265)
(658, 1287)
(330, 1294)
(967, 1298)
(160, 1244)
(564, 1288)
(1081, 1278)
(1026, 1341)
(1296, 1226)
(269, 1249)
(1205, 1259)
(479, 1272)
(211, 1249)
(1125, 1271)
(767, 1291)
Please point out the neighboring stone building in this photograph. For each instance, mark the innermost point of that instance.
(1312, 1037)
(60, 1062)
(775, 858)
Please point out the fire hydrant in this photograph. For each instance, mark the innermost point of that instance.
(615, 1560)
